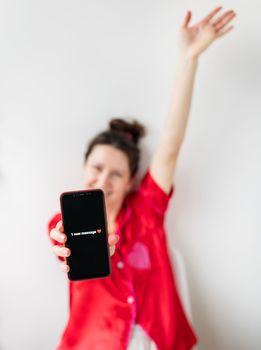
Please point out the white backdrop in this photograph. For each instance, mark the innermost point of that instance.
(66, 67)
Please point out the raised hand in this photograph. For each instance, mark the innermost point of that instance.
(195, 39)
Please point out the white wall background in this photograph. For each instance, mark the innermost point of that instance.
(66, 67)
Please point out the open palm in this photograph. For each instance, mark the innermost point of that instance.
(195, 39)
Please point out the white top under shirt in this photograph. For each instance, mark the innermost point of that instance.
(140, 340)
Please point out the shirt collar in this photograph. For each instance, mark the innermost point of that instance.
(123, 216)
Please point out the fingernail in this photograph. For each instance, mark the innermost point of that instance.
(62, 237)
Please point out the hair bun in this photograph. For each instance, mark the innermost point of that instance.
(133, 130)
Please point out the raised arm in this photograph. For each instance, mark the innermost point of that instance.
(193, 41)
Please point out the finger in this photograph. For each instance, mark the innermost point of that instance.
(113, 239)
(61, 251)
(59, 226)
(57, 236)
(112, 250)
(210, 15)
(224, 31)
(221, 22)
(65, 267)
(186, 20)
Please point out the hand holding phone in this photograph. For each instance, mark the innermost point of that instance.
(58, 235)
(85, 238)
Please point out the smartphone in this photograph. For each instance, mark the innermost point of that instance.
(85, 224)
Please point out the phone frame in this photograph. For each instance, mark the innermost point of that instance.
(82, 193)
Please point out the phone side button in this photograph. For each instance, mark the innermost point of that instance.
(120, 264)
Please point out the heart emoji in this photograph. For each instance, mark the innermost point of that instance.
(98, 230)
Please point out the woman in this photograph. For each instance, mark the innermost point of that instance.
(138, 306)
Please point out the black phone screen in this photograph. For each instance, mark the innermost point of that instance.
(84, 220)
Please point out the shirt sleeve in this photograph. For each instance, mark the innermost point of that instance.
(153, 195)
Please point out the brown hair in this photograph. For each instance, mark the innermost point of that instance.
(124, 136)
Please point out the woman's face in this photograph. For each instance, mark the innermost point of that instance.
(108, 168)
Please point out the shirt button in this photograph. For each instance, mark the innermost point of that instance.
(120, 265)
(130, 300)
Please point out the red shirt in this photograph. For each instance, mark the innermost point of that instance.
(141, 288)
